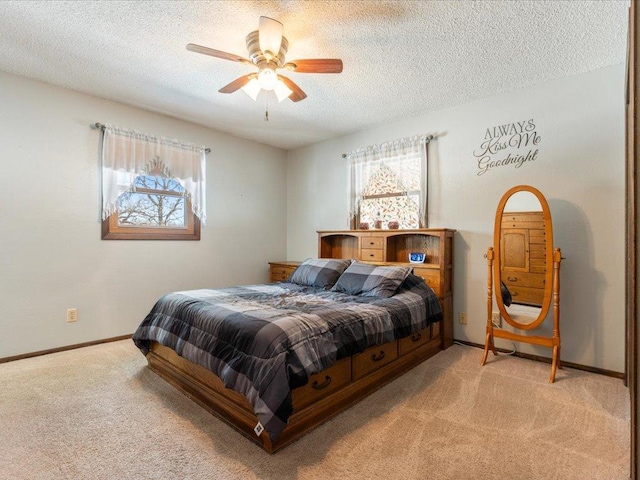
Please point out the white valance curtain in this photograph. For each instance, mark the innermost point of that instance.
(127, 154)
(366, 161)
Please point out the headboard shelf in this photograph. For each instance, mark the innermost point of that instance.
(338, 246)
(392, 247)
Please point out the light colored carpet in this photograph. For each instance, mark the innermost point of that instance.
(99, 413)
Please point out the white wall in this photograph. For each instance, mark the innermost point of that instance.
(579, 168)
(51, 254)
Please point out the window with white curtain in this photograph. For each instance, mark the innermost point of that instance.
(152, 187)
(389, 184)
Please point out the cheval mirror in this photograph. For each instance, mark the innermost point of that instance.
(523, 272)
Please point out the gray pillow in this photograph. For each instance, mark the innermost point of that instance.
(319, 272)
(370, 280)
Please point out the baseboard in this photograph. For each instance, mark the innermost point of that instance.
(62, 349)
(529, 356)
(601, 371)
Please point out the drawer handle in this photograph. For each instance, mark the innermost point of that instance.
(416, 337)
(377, 358)
(371, 255)
(512, 279)
(320, 386)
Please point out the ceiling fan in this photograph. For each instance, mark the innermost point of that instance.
(267, 49)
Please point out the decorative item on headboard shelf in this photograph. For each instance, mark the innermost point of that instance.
(393, 225)
(378, 223)
(364, 226)
(416, 257)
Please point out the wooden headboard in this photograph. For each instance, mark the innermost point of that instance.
(392, 247)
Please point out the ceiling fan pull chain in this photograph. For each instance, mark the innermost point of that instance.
(266, 111)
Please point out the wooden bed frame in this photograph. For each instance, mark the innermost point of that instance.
(335, 389)
(327, 394)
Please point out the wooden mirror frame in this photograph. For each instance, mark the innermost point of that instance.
(548, 257)
(552, 287)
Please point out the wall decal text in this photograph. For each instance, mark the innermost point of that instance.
(509, 144)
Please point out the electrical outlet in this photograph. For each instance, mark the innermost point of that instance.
(72, 315)
(496, 319)
(462, 318)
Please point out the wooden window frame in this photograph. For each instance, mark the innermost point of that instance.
(191, 231)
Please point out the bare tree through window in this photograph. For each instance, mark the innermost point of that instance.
(156, 201)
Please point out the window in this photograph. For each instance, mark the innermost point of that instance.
(389, 184)
(157, 209)
(392, 195)
(152, 188)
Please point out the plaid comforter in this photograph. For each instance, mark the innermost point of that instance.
(265, 340)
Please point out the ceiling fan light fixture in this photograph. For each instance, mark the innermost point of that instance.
(252, 88)
(282, 91)
(267, 78)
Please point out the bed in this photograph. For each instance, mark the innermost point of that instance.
(277, 360)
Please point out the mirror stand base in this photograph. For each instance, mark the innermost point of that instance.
(488, 344)
(552, 342)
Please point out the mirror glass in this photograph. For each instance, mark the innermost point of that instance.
(522, 260)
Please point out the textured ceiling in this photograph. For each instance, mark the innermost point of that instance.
(401, 58)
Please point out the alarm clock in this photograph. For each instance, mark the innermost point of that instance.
(416, 257)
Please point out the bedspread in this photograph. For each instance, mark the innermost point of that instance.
(265, 340)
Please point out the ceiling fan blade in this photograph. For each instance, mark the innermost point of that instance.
(192, 47)
(237, 83)
(317, 65)
(297, 94)
(270, 35)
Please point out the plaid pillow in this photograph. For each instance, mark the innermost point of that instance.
(319, 272)
(371, 281)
